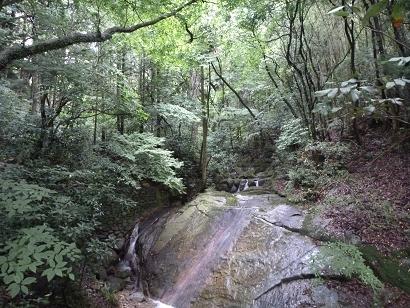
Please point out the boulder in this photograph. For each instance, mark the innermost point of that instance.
(123, 271)
(222, 187)
(116, 284)
(137, 297)
(234, 188)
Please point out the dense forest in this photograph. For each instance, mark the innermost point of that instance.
(112, 110)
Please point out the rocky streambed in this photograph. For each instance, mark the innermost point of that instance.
(228, 250)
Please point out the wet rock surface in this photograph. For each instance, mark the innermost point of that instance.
(222, 252)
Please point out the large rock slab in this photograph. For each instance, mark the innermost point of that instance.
(225, 251)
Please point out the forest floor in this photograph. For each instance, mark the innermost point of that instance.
(379, 188)
(371, 205)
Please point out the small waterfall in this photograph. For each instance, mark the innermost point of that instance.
(130, 254)
(256, 182)
(239, 188)
(246, 187)
(131, 258)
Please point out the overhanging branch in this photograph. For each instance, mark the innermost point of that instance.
(17, 52)
(233, 91)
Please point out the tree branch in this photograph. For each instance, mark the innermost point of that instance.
(233, 90)
(17, 52)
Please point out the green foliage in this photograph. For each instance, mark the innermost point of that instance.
(177, 113)
(313, 167)
(109, 296)
(293, 136)
(345, 260)
(35, 253)
(331, 155)
(374, 10)
(140, 156)
(34, 223)
(302, 176)
(390, 269)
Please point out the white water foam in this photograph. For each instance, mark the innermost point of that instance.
(161, 305)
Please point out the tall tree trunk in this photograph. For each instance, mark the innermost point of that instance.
(142, 87)
(350, 35)
(120, 94)
(35, 89)
(205, 117)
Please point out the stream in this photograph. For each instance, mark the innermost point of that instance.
(225, 250)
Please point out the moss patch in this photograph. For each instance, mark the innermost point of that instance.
(388, 269)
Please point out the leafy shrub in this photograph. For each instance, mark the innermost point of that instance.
(345, 260)
(293, 136)
(302, 176)
(140, 156)
(33, 253)
(331, 154)
(33, 235)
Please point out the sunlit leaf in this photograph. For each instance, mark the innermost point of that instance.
(390, 85)
(322, 92)
(337, 9)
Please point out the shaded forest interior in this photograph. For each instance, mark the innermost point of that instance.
(111, 109)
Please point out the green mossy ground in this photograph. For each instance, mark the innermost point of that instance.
(389, 269)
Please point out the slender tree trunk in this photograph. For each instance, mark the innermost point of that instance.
(95, 124)
(350, 35)
(35, 89)
(205, 117)
(120, 94)
(142, 87)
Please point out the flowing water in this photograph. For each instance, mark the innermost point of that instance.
(214, 252)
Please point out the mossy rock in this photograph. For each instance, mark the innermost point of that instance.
(388, 269)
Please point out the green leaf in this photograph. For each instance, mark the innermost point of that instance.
(59, 272)
(390, 85)
(335, 10)
(355, 95)
(398, 10)
(50, 275)
(333, 92)
(373, 11)
(32, 267)
(18, 277)
(71, 276)
(14, 289)
(4, 267)
(24, 289)
(399, 82)
(8, 279)
(342, 13)
(347, 82)
(322, 92)
(336, 109)
(28, 280)
(369, 89)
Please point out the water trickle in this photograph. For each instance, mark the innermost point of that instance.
(131, 259)
(256, 183)
(246, 187)
(193, 275)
